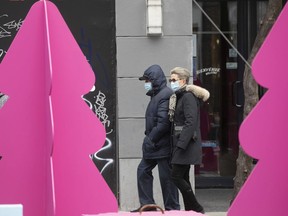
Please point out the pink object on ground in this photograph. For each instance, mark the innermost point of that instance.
(264, 133)
(45, 74)
(152, 213)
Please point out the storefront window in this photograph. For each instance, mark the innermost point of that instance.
(216, 66)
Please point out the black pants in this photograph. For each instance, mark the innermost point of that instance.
(180, 177)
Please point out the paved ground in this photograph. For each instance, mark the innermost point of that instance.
(215, 201)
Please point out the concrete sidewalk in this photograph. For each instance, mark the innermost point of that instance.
(215, 201)
(216, 213)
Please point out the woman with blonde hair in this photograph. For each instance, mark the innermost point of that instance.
(184, 113)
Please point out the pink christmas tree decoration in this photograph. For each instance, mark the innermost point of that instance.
(25, 123)
(47, 130)
(264, 133)
(79, 187)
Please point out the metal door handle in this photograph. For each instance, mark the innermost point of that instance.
(235, 95)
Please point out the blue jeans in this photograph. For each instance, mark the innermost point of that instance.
(145, 183)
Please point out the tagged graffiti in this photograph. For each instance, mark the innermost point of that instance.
(107, 161)
(8, 28)
(5, 29)
(2, 53)
(99, 109)
(3, 99)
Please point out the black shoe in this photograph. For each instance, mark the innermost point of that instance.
(135, 210)
(145, 209)
(200, 210)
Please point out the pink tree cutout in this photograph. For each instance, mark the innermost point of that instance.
(25, 123)
(79, 187)
(46, 116)
(264, 133)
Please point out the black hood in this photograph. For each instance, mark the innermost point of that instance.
(157, 77)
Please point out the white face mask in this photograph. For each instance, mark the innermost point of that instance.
(148, 86)
(175, 85)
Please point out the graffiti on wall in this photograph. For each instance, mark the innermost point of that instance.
(3, 99)
(101, 100)
(98, 107)
(8, 28)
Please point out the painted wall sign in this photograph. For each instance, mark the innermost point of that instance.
(208, 71)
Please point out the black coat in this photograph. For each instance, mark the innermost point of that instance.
(186, 149)
(156, 143)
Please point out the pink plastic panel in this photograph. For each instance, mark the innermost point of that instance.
(37, 122)
(79, 187)
(264, 133)
(152, 213)
(25, 123)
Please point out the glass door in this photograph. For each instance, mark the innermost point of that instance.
(224, 33)
(215, 67)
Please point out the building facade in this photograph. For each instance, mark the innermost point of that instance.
(136, 51)
(212, 38)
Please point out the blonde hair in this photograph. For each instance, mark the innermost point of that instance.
(182, 73)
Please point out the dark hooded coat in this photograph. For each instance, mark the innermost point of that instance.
(156, 143)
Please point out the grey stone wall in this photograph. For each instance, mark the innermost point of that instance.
(136, 52)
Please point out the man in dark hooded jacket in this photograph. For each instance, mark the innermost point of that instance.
(156, 145)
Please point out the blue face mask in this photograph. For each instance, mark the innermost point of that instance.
(175, 86)
(148, 86)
